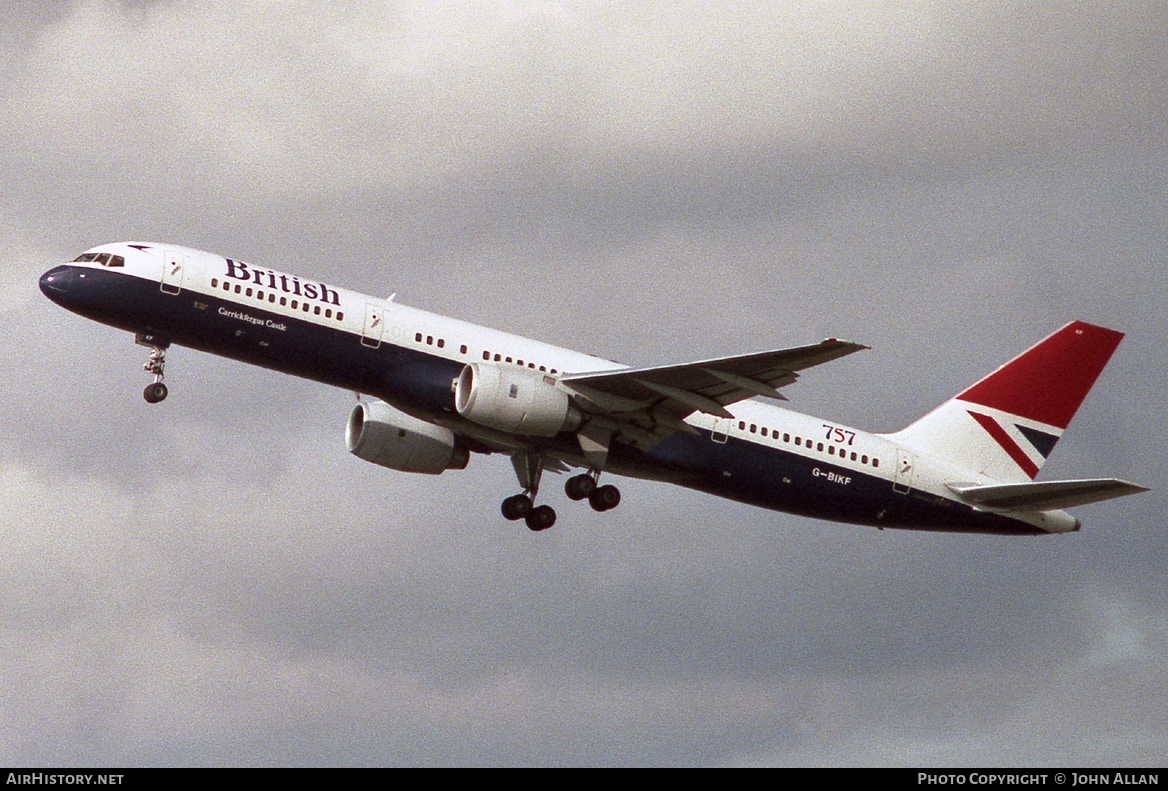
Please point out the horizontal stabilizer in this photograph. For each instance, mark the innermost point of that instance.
(1043, 496)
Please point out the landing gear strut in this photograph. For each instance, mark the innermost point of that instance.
(155, 391)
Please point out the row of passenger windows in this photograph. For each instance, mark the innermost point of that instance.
(105, 259)
(430, 340)
(295, 304)
(843, 453)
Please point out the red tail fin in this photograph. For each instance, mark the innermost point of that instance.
(1006, 425)
(1049, 381)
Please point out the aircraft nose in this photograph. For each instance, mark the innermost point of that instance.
(55, 283)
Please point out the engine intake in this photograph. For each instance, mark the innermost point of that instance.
(381, 434)
(514, 400)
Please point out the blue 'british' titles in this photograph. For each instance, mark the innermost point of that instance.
(289, 284)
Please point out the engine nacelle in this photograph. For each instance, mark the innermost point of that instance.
(514, 400)
(379, 433)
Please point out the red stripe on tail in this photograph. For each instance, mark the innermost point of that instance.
(1007, 442)
(1049, 381)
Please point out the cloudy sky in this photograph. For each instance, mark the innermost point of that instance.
(216, 581)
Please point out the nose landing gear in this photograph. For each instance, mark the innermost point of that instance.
(155, 391)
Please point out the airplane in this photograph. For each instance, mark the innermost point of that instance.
(444, 389)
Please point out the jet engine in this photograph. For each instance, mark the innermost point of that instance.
(379, 433)
(514, 400)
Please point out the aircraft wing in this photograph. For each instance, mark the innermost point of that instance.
(669, 393)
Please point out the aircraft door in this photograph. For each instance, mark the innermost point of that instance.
(374, 327)
(174, 270)
(904, 472)
(721, 430)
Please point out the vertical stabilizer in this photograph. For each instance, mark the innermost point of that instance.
(1006, 425)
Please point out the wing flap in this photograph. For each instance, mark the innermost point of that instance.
(1044, 495)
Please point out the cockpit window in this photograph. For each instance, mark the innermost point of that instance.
(105, 259)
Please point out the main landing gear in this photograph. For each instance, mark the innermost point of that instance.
(584, 487)
(529, 469)
(521, 506)
(155, 391)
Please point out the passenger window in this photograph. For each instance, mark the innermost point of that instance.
(786, 437)
(798, 440)
(249, 292)
(429, 340)
(317, 310)
(875, 462)
(283, 302)
(462, 349)
(486, 355)
(271, 297)
(753, 428)
(214, 282)
(237, 289)
(441, 343)
(295, 304)
(340, 316)
(498, 357)
(819, 447)
(328, 313)
(853, 455)
(831, 450)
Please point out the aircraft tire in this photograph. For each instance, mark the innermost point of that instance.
(579, 487)
(154, 392)
(604, 498)
(541, 518)
(516, 507)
